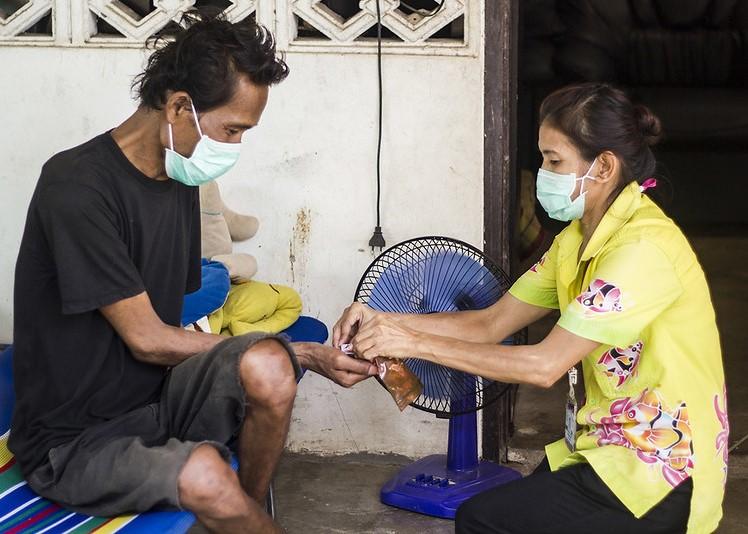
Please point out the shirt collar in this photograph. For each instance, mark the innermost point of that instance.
(623, 207)
(618, 214)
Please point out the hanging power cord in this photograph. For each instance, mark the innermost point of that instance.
(377, 239)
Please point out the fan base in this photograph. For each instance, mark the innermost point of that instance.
(428, 487)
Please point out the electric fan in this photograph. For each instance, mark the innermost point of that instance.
(431, 275)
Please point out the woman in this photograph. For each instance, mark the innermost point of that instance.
(645, 447)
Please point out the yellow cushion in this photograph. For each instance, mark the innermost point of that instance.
(256, 307)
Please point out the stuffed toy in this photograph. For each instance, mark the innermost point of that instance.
(220, 227)
(250, 306)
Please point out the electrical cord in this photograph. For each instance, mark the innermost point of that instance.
(377, 238)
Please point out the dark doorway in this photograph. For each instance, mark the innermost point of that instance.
(687, 61)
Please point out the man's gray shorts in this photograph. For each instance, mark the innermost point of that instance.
(131, 463)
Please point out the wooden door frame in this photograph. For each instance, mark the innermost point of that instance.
(499, 180)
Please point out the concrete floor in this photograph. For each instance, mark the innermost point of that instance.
(340, 494)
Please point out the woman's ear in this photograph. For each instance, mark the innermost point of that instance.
(177, 103)
(609, 167)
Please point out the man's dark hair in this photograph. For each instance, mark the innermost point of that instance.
(207, 58)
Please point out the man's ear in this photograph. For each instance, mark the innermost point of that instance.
(609, 166)
(177, 103)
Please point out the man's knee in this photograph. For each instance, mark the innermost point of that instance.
(206, 484)
(267, 373)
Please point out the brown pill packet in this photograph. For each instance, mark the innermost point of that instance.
(400, 381)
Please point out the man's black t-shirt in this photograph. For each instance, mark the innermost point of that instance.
(97, 231)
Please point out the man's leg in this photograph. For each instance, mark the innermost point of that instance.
(172, 454)
(210, 489)
(269, 382)
(98, 474)
(243, 388)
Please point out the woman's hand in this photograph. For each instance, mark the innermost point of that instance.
(350, 323)
(384, 336)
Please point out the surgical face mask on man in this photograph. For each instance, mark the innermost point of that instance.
(209, 160)
(554, 192)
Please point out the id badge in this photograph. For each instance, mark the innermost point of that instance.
(570, 424)
(570, 428)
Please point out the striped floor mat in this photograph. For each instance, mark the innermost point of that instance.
(21, 510)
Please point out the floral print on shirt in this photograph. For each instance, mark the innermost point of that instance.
(725, 432)
(660, 436)
(621, 363)
(538, 264)
(601, 297)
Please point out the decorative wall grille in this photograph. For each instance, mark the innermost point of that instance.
(408, 26)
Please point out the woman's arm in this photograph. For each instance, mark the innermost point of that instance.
(490, 325)
(541, 364)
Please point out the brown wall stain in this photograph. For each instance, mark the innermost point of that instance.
(299, 240)
(303, 226)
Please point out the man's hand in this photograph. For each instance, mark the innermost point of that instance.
(350, 322)
(384, 336)
(334, 364)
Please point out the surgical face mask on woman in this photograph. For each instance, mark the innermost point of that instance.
(554, 192)
(209, 160)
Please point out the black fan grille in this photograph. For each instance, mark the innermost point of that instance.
(431, 275)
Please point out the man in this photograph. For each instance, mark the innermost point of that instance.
(118, 408)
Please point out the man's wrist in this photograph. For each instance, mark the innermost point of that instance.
(304, 354)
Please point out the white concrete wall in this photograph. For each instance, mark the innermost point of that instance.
(312, 158)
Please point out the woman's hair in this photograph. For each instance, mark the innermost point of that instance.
(598, 117)
(206, 60)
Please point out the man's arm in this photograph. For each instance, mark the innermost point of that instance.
(491, 325)
(151, 340)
